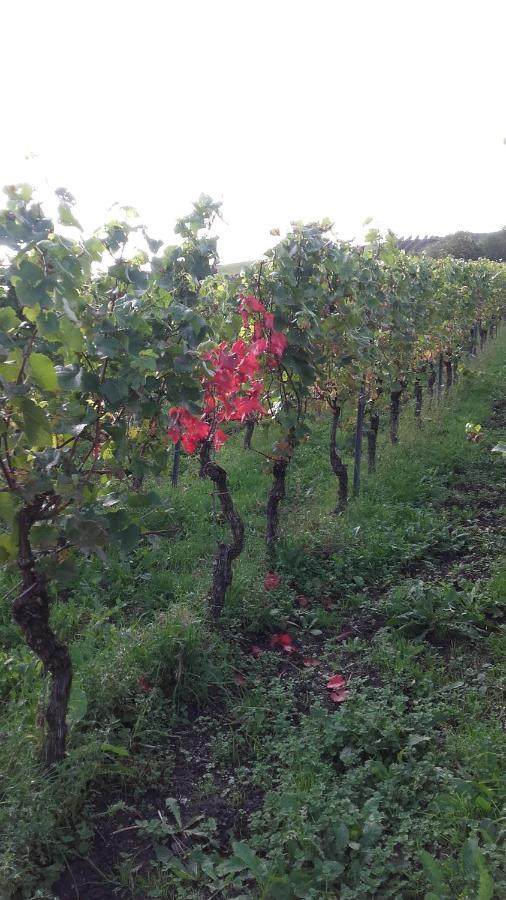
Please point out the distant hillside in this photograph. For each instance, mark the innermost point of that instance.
(461, 244)
(234, 268)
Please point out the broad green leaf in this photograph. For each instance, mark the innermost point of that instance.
(75, 378)
(8, 319)
(69, 312)
(59, 568)
(143, 501)
(8, 546)
(31, 312)
(35, 423)
(243, 851)
(30, 272)
(117, 520)
(184, 363)
(78, 704)
(43, 372)
(370, 835)
(473, 858)
(86, 533)
(72, 336)
(44, 536)
(173, 805)
(129, 538)
(31, 294)
(10, 368)
(66, 217)
(114, 390)
(9, 505)
(115, 748)
(486, 884)
(342, 836)
(48, 325)
(434, 872)
(164, 856)
(95, 248)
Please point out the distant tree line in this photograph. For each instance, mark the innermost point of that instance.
(460, 245)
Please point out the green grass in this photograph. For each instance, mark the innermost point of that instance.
(398, 792)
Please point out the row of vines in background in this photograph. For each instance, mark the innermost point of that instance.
(116, 351)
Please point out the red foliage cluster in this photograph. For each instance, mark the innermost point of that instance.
(271, 581)
(234, 389)
(187, 428)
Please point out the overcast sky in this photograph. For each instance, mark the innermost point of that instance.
(285, 109)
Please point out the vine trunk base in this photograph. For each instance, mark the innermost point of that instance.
(418, 402)
(372, 439)
(225, 553)
(395, 405)
(338, 467)
(31, 612)
(276, 495)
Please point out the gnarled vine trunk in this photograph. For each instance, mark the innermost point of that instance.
(31, 612)
(359, 433)
(225, 553)
(418, 402)
(338, 467)
(372, 438)
(431, 381)
(440, 374)
(449, 374)
(474, 340)
(249, 427)
(276, 495)
(395, 407)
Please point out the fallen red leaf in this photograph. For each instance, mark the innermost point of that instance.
(282, 639)
(285, 639)
(239, 679)
(288, 648)
(255, 650)
(311, 661)
(144, 685)
(271, 581)
(338, 696)
(337, 682)
(343, 635)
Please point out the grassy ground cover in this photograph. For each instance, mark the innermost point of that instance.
(198, 769)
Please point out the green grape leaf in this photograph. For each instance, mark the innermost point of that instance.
(43, 372)
(35, 423)
(8, 319)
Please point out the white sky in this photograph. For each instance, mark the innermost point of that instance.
(288, 109)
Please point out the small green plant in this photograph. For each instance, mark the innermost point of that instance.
(164, 827)
(471, 866)
(438, 612)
